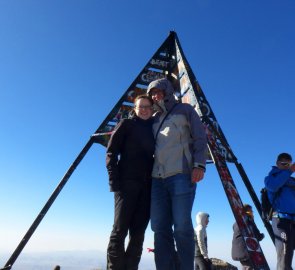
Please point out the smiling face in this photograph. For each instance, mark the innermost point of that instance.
(143, 108)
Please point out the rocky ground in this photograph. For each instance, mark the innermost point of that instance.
(218, 264)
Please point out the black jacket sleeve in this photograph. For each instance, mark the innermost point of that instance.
(113, 151)
(258, 234)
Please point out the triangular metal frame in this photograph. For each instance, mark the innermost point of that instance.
(169, 61)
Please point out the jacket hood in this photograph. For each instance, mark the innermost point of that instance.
(201, 218)
(165, 85)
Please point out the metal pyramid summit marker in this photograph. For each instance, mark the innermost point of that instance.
(169, 61)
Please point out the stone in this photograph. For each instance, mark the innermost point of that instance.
(218, 264)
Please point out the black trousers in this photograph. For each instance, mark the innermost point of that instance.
(284, 231)
(132, 215)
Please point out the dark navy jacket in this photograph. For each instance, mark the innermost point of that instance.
(130, 152)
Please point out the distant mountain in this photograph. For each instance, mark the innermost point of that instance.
(68, 260)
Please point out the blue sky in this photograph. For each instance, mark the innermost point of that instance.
(63, 66)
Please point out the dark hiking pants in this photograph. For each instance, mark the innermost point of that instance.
(132, 214)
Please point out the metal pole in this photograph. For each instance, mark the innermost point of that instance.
(255, 199)
(245, 180)
(46, 207)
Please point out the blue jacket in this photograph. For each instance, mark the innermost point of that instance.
(281, 180)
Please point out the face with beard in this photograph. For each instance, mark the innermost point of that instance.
(158, 98)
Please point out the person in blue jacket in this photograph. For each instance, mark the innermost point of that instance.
(281, 193)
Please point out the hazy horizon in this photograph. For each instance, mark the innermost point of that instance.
(78, 260)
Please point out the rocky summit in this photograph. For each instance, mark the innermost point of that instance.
(218, 264)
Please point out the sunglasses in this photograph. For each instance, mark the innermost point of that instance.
(285, 163)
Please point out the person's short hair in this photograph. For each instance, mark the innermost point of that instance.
(144, 97)
(284, 156)
(247, 207)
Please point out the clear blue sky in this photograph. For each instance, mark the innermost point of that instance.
(65, 63)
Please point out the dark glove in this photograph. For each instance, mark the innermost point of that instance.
(114, 187)
(261, 236)
(208, 262)
(114, 182)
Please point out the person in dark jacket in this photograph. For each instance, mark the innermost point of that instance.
(129, 162)
(280, 188)
(239, 250)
